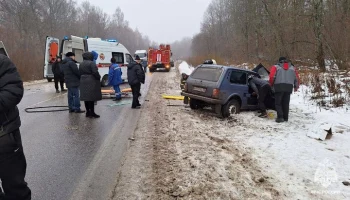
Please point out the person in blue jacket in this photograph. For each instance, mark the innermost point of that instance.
(115, 78)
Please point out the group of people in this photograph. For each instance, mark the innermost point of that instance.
(83, 83)
(283, 79)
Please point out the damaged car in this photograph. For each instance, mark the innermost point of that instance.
(224, 88)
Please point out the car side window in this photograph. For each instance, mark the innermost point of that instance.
(238, 77)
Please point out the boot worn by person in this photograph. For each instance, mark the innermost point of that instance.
(279, 120)
(57, 91)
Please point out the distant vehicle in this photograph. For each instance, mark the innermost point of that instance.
(224, 88)
(3, 49)
(143, 55)
(106, 49)
(159, 58)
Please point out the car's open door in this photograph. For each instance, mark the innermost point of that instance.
(51, 53)
(3, 49)
(262, 71)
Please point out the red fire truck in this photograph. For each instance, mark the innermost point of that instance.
(159, 58)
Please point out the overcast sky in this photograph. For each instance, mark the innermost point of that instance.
(162, 20)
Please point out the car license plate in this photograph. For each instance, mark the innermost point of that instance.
(199, 89)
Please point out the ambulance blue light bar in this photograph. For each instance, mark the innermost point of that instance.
(66, 38)
(112, 40)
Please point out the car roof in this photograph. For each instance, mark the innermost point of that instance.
(225, 67)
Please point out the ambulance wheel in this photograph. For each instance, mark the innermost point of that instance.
(49, 79)
(104, 81)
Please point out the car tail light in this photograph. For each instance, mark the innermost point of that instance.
(216, 93)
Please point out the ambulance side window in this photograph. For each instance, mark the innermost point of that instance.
(119, 57)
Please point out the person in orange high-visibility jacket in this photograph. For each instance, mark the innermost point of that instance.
(283, 78)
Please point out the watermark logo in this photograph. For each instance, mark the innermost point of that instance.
(326, 174)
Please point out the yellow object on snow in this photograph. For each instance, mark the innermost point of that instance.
(173, 97)
(271, 114)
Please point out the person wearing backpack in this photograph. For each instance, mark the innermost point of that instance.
(283, 78)
(115, 78)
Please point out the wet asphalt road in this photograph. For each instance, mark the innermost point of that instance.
(70, 156)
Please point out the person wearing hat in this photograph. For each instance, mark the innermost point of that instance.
(262, 89)
(72, 79)
(136, 76)
(283, 78)
(58, 74)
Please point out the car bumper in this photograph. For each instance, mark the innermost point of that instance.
(201, 98)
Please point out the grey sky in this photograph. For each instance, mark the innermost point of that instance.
(162, 20)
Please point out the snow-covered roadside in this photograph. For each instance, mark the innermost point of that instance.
(290, 151)
(179, 153)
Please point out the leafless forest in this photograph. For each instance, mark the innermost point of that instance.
(232, 31)
(24, 25)
(307, 31)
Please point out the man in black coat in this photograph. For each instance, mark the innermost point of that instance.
(58, 74)
(72, 79)
(262, 89)
(12, 160)
(136, 76)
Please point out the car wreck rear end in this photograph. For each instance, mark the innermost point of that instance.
(223, 88)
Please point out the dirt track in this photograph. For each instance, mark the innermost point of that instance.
(178, 154)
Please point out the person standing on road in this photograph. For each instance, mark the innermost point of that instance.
(262, 88)
(283, 77)
(72, 79)
(12, 160)
(58, 74)
(115, 78)
(90, 85)
(136, 76)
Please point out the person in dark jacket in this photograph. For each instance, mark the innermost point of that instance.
(115, 78)
(136, 76)
(72, 79)
(58, 74)
(262, 90)
(283, 78)
(12, 160)
(90, 85)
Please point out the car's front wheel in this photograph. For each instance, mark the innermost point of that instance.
(231, 107)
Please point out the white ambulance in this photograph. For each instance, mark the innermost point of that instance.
(106, 49)
(2, 49)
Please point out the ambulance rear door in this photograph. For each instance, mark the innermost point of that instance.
(51, 53)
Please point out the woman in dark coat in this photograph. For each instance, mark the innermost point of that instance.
(90, 85)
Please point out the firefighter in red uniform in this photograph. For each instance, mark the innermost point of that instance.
(283, 78)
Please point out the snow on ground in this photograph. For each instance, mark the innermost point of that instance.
(184, 154)
(295, 150)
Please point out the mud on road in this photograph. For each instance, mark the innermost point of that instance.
(180, 154)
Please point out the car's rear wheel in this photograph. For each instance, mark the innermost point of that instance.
(231, 107)
(195, 104)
